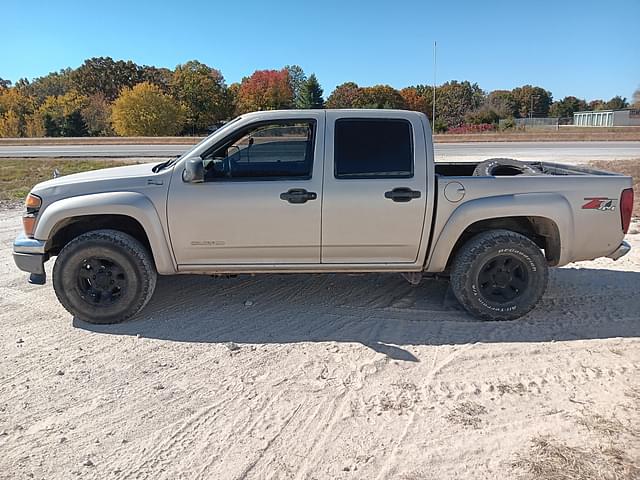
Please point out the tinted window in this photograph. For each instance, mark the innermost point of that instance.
(373, 148)
(267, 150)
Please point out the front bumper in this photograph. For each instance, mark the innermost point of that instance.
(620, 252)
(29, 254)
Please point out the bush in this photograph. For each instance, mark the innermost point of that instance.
(481, 128)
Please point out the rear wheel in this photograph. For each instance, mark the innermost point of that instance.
(104, 276)
(499, 275)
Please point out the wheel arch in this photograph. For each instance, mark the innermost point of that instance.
(546, 219)
(128, 212)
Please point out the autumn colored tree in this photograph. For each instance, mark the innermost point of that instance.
(529, 95)
(50, 85)
(418, 99)
(15, 105)
(96, 114)
(145, 110)
(455, 99)
(567, 106)
(265, 90)
(346, 95)
(310, 95)
(203, 93)
(105, 76)
(10, 126)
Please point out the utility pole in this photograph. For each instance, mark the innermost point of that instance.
(433, 112)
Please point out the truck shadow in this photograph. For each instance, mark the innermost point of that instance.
(381, 311)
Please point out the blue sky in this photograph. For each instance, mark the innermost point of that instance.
(588, 48)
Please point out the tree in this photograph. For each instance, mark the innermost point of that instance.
(455, 99)
(310, 95)
(483, 115)
(380, 96)
(22, 106)
(567, 107)
(525, 95)
(297, 80)
(418, 100)
(616, 103)
(203, 93)
(50, 85)
(10, 125)
(503, 103)
(4, 83)
(596, 105)
(96, 114)
(265, 90)
(145, 110)
(106, 76)
(60, 116)
(346, 95)
(161, 77)
(636, 98)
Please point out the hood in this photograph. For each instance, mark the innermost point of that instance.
(136, 178)
(114, 173)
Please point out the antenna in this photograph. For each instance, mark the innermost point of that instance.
(433, 113)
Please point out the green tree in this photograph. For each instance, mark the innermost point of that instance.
(161, 77)
(596, 105)
(528, 95)
(203, 93)
(503, 103)
(616, 103)
(484, 114)
(60, 116)
(4, 83)
(380, 96)
(51, 85)
(297, 80)
(567, 106)
(145, 110)
(455, 99)
(106, 76)
(636, 98)
(310, 95)
(346, 95)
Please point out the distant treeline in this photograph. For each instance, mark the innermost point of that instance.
(115, 97)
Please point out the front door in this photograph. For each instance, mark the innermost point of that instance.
(261, 199)
(375, 188)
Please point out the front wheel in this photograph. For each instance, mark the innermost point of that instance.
(104, 276)
(499, 275)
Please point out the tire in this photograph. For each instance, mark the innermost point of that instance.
(503, 167)
(499, 275)
(104, 276)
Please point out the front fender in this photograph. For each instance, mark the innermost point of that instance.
(552, 206)
(131, 204)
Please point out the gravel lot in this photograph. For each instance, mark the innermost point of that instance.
(313, 377)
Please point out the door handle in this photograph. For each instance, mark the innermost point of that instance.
(402, 194)
(298, 195)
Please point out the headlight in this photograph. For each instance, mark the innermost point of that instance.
(33, 203)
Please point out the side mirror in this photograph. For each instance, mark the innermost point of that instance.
(194, 171)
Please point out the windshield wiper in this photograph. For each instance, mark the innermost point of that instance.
(165, 164)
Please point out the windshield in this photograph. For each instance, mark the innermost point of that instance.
(171, 161)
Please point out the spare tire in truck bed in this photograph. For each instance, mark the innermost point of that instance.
(503, 167)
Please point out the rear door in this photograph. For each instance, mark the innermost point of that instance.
(375, 182)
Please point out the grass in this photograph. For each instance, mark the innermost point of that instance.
(626, 167)
(467, 414)
(18, 176)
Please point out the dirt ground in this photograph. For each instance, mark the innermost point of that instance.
(319, 377)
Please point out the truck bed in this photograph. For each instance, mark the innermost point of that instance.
(465, 169)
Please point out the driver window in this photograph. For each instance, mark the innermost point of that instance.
(265, 151)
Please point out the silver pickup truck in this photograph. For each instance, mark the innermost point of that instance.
(320, 191)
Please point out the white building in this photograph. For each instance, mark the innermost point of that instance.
(607, 118)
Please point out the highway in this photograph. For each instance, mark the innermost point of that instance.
(571, 152)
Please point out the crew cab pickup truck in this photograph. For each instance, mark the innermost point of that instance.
(320, 191)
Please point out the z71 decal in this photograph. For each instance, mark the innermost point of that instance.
(603, 204)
